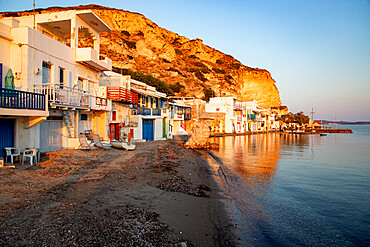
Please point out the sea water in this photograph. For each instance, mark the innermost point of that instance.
(299, 190)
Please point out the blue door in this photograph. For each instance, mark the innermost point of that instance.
(6, 134)
(148, 131)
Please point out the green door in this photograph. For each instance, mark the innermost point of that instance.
(164, 127)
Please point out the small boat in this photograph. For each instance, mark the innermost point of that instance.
(123, 145)
(323, 134)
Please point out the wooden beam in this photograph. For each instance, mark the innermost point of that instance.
(33, 121)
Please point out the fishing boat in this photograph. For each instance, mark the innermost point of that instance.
(123, 145)
(323, 134)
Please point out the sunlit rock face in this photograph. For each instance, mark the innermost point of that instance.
(138, 44)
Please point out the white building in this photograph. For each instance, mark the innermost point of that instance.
(180, 113)
(239, 117)
(139, 113)
(56, 54)
(232, 109)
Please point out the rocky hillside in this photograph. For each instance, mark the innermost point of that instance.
(138, 44)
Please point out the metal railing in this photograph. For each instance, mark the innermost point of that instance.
(146, 111)
(252, 116)
(156, 112)
(141, 111)
(63, 95)
(16, 99)
(187, 116)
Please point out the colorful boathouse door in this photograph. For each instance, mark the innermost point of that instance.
(114, 131)
(148, 130)
(6, 134)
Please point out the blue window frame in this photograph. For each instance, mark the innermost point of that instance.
(1, 75)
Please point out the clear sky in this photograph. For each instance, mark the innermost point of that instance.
(318, 51)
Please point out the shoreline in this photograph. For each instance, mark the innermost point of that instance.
(161, 193)
(317, 131)
(229, 206)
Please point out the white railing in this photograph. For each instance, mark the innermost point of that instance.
(62, 95)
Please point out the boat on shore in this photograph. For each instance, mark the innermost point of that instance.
(123, 145)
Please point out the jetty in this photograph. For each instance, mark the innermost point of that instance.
(334, 131)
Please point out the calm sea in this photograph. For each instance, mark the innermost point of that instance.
(299, 190)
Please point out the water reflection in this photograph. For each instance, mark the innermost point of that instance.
(256, 157)
(294, 190)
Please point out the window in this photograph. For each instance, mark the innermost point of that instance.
(1, 75)
(147, 100)
(79, 83)
(46, 72)
(83, 117)
(114, 115)
(61, 76)
(70, 79)
(164, 104)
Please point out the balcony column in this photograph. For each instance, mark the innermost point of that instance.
(74, 33)
(96, 44)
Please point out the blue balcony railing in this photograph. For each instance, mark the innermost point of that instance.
(145, 111)
(16, 99)
(156, 112)
(187, 116)
(252, 116)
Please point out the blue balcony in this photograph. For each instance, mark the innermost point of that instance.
(16, 99)
(156, 112)
(187, 116)
(252, 116)
(146, 111)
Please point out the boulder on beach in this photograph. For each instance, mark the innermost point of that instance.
(199, 135)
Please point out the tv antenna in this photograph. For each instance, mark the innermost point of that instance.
(34, 15)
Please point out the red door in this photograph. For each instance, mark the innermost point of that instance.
(114, 131)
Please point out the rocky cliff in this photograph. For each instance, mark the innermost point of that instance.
(138, 44)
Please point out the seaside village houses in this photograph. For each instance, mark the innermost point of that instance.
(230, 115)
(50, 84)
(54, 85)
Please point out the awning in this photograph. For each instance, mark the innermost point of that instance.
(145, 92)
(179, 104)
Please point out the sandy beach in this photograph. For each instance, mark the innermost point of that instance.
(160, 194)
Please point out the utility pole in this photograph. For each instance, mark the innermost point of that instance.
(312, 114)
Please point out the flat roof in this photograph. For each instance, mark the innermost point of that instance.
(92, 19)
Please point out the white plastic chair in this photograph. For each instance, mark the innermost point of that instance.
(30, 154)
(12, 152)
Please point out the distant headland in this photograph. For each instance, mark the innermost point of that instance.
(343, 122)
